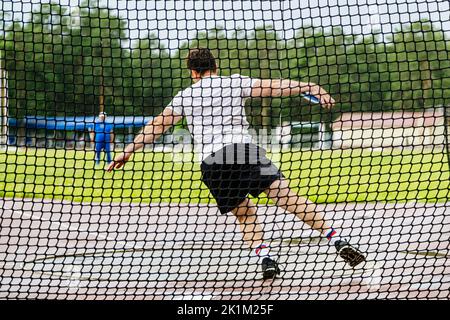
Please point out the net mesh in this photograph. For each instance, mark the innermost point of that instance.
(376, 166)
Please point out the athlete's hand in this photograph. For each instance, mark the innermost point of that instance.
(119, 161)
(325, 98)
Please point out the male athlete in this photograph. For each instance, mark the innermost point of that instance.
(233, 167)
(103, 136)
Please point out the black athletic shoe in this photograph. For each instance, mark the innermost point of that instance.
(270, 269)
(350, 254)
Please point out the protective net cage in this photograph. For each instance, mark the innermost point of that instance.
(375, 166)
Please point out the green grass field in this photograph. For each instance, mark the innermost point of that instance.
(323, 176)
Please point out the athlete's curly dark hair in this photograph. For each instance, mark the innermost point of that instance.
(201, 60)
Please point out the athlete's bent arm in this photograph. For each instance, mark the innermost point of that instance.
(286, 87)
(152, 131)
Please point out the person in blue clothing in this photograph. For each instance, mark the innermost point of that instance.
(103, 136)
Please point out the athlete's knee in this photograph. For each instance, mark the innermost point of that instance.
(280, 193)
(244, 209)
(278, 189)
(243, 213)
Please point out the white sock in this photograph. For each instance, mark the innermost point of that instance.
(262, 251)
(332, 236)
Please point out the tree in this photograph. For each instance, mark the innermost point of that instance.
(152, 80)
(319, 56)
(418, 60)
(99, 58)
(58, 67)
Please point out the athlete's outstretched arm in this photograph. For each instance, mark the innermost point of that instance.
(148, 134)
(285, 87)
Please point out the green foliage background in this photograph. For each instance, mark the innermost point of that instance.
(56, 68)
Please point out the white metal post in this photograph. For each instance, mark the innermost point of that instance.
(321, 136)
(3, 104)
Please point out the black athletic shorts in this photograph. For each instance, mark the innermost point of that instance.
(236, 171)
